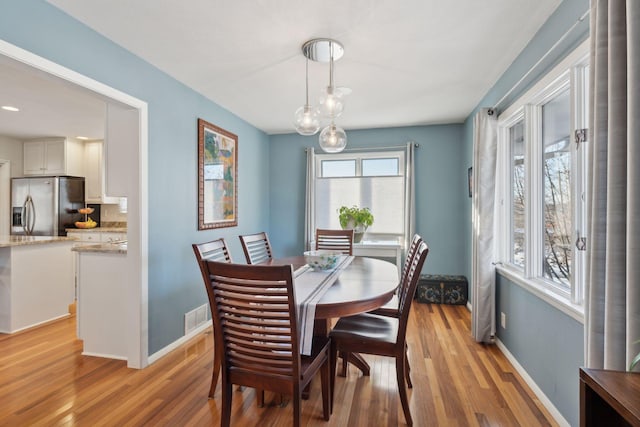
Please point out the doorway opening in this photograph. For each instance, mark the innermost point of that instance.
(127, 117)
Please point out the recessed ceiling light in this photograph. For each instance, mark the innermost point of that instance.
(84, 138)
(10, 108)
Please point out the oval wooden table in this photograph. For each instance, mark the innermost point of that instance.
(365, 284)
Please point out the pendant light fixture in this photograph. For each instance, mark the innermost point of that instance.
(332, 139)
(306, 117)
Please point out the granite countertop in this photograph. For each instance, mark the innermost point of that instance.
(98, 230)
(10, 241)
(112, 248)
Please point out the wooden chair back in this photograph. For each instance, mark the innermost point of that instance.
(254, 312)
(256, 247)
(255, 326)
(408, 287)
(215, 250)
(335, 240)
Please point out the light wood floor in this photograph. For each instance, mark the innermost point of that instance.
(44, 380)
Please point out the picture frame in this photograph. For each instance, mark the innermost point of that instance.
(217, 177)
(470, 181)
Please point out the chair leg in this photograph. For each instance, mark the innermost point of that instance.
(260, 397)
(326, 390)
(345, 360)
(297, 402)
(400, 375)
(332, 370)
(216, 373)
(227, 396)
(407, 367)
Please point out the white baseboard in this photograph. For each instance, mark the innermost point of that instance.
(534, 387)
(469, 306)
(177, 343)
(108, 356)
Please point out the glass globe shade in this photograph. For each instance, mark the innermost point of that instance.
(333, 139)
(306, 120)
(331, 103)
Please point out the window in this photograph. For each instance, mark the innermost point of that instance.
(556, 174)
(516, 145)
(373, 179)
(541, 184)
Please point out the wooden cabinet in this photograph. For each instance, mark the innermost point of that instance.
(609, 398)
(95, 174)
(53, 156)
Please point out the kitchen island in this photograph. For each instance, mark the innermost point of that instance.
(36, 280)
(101, 314)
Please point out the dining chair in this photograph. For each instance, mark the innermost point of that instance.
(335, 240)
(391, 307)
(256, 247)
(254, 317)
(382, 335)
(215, 250)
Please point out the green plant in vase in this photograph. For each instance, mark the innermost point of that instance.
(358, 219)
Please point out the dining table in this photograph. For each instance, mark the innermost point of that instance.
(363, 285)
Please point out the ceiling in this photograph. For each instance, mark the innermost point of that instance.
(427, 62)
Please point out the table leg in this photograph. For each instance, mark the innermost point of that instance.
(322, 327)
(358, 361)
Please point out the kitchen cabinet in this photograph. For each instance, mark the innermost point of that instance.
(36, 280)
(94, 161)
(84, 237)
(102, 281)
(98, 236)
(53, 156)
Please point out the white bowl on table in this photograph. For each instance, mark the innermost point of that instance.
(322, 260)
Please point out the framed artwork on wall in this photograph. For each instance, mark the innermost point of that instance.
(217, 177)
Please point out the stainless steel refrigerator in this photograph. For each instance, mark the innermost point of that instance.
(46, 206)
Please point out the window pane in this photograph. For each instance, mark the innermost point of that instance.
(556, 127)
(336, 168)
(380, 167)
(384, 196)
(516, 139)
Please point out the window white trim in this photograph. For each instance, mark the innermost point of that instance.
(568, 74)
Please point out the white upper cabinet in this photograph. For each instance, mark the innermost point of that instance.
(53, 156)
(95, 173)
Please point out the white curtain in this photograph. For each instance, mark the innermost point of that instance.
(484, 211)
(410, 196)
(612, 309)
(309, 206)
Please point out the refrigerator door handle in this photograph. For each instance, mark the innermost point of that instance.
(23, 215)
(31, 216)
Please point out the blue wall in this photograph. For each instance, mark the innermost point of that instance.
(441, 189)
(175, 285)
(547, 343)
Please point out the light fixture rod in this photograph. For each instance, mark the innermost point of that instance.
(331, 64)
(306, 83)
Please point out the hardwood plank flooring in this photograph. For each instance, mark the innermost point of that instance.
(45, 381)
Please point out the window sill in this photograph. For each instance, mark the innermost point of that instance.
(574, 311)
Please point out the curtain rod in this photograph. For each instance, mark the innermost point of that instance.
(555, 45)
(389, 147)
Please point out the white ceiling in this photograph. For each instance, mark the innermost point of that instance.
(412, 62)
